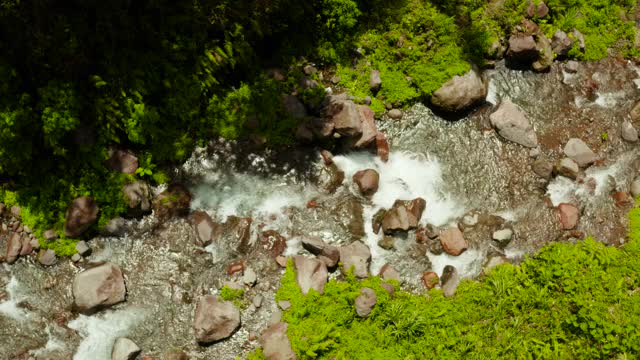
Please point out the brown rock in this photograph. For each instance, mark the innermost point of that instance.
(214, 319)
(81, 214)
(50, 235)
(388, 272)
(453, 241)
(522, 48)
(328, 254)
(430, 280)
(358, 256)
(273, 243)
(374, 81)
(206, 229)
(138, 196)
(275, 343)
(346, 118)
(26, 246)
(236, 232)
(382, 147)
(403, 215)
(622, 199)
(14, 246)
(561, 43)
(98, 287)
(310, 274)
(368, 126)
(365, 302)
(175, 355)
(450, 281)
(367, 181)
(122, 161)
(460, 93)
(236, 267)
(175, 201)
(569, 215)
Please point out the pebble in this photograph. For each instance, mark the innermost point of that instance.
(249, 277)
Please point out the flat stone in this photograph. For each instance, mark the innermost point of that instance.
(275, 343)
(47, 257)
(124, 349)
(453, 242)
(628, 132)
(388, 272)
(310, 274)
(98, 287)
(580, 152)
(568, 168)
(358, 256)
(395, 114)
(214, 319)
(569, 215)
(513, 125)
(503, 237)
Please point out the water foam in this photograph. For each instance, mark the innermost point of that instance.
(99, 332)
(10, 308)
(565, 190)
(405, 176)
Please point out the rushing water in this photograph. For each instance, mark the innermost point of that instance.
(458, 167)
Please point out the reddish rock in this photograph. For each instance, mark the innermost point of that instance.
(569, 215)
(358, 256)
(369, 130)
(403, 215)
(206, 229)
(81, 214)
(310, 274)
(382, 147)
(453, 242)
(328, 254)
(388, 272)
(236, 267)
(215, 319)
(281, 261)
(327, 157)
(275, 343)
(622, 199)
(312, 204)
(367, 181)
(273, 243)
(430, 279)
(26, 246)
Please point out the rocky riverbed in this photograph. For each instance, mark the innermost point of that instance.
(548, 157)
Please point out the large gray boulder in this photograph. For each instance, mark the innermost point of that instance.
(310, 274)
(214, 319)
(81, 214)
(358, 256)
(275, 343)
(580, 152)
(124, 349)
(513, 125)
(460, 93)
(98, 287)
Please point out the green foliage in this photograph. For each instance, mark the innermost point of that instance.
(569, 301)
(229, 294)
(60, 113)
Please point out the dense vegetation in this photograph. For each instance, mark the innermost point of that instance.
(571, 301)
(160, 77)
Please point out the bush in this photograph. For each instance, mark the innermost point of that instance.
(569, 301)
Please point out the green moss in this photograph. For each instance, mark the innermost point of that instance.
(63, 246)
(229, 294)
(567, 302)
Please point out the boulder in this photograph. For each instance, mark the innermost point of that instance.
(569, 216)
(82, 248)
(367, 181)
(174, 201)
(374, 81)
(513, 125)
(123, 161)
(98, 288)
(568, 168)
(628, 132)
(27, 248)
(293, 107)
(522, 48)
(430, 280)
(47, 257)
(365, 302)
(138, 197)
(272, 243)
(453, 241)
(545, 57)
(358, 256)
(543, 168)
(124, 349)
(215, 319)
(368, 126)
(328, 254)
(310, 274)
(275, 343)
(346, 118)
(538, 10)
(206, 229)
(502, 237)
(580, 152)
(81, 214)
(577, 35)
(403, 215)
(460, 93)
(395, 114)
(450, 281)
(14, 246)
(15, 211)
(561, 43)
(321, 128)
(388, 272)
(382, 147)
